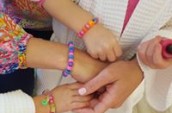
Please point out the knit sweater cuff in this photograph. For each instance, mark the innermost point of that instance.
(16, 102)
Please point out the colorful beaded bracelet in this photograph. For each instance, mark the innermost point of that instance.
(87, 27)
(49, 100)
(71, 50)
(40, 2)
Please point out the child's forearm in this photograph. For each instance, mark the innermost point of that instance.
(68, 13)
(51, 55)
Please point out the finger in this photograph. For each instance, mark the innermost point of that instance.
(100, 80)
(84, 110)
(158, 60)
(75, 85)
(100, 107)
(102, 55)
(92, 54)
(142, 52)
(82, 98)
(150, 50)
(77, 105)
(117, 49)
(108, 99)
(89, 109)
(111, 56)
(75, 92)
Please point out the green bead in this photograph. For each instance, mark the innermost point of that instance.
(44, 102)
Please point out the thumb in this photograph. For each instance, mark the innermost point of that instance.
(97, 82)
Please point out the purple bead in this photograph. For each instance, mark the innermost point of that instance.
(70, 64)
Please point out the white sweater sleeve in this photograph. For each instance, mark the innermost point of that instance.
(16, 102)
(158, 83)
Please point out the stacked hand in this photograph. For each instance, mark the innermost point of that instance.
(119, 84)
(107, 46)
(67, 98)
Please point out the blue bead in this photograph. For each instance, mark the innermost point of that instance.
(65, 73)
(95, 20)
(70, 43)
(68, 71)
(71, 57)
(71, 49)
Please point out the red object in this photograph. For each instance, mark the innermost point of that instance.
(166, 48)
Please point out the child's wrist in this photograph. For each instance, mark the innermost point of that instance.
(70, 62)
(94, 32)
(45, 103)
(38, 106)
(87, 27)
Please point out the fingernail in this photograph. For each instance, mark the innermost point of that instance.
(82, 91)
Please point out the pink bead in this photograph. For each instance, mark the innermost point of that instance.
(50, 97)
(79, 35)
(71, 45)
(51, 102)
(69, 68)
(87, 26)
(70, 60)
(71, 53)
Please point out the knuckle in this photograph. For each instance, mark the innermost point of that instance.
(119, 53)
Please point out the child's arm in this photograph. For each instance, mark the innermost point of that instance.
(107, 47)
(51, 55)
(66, 98)
(18, 48)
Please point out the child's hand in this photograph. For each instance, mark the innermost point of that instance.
(67, 98)
(101, 43)
(150, 53)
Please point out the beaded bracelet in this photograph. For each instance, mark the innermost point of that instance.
(49, 100)
(71, 50)
(87, 27)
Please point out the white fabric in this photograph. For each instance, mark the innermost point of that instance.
(149, 17)
(16, 102)
(158, 82)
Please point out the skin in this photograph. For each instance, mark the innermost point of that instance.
(107, 47)
(66, 98)
(119, 84)
(150, 53)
